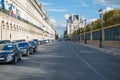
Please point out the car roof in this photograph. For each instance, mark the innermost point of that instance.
(7, 44)
(10, 44)
(21, 42)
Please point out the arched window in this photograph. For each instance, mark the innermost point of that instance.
(7, 26)
(11, 26)
(3, 25)
(14, 27)
(17, 28)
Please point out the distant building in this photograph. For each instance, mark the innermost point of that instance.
(72, 22)
(65, 33)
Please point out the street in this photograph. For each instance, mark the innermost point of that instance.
(62, 60)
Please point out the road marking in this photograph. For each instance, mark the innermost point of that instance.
(98, 73)
(91, 67)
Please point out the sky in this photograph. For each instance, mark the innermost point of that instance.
(57, 9)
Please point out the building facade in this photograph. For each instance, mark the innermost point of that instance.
(72, 23)
(25, 19)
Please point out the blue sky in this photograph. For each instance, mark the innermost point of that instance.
(57, 9)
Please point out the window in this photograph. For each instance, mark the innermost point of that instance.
(11, 26)
(6, 24)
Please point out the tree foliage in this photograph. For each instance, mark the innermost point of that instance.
(81, 30)
(76, 32)
(87, 28)
(111, 17)
(96, 24)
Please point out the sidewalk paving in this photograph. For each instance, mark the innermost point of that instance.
(110, 50)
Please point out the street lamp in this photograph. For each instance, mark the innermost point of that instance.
(91, 29)
(79, 35)
(10, 36)
(1, 32)
(27, 38)
(2, 26)
(85, 40)
(102, 30)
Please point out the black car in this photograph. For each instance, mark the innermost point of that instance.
(4, 41)
(36, 40)
(34, 45)
(16, 41)
(10, 53)
(25, 48)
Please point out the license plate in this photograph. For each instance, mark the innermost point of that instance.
(1, 58)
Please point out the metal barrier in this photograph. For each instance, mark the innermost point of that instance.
(110, 34)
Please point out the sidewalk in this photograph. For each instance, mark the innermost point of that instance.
(110, 50)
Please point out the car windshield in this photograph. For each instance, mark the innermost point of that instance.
(1, 42)
(22, 45)
(1, 46)
(32, 43)
(7, 47)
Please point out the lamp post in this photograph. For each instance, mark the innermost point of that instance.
(10, 36)
(79, 35)
(102, 30)
(2, 26)
(27, 37)
(91, 29)
(1, 33)
(85, 41)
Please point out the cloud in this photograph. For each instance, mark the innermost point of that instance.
(57, 10)
(111, 3)
(91, 20)
(83, 4)
(58, 24)
(46, 4)
(107, 9)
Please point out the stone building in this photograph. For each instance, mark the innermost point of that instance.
(25, 19)
(72, 23)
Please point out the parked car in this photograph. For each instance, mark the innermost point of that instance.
(25, 48)
(10, 53)
(36, 40)
(16, 41)
(4, 41)
(34, 45)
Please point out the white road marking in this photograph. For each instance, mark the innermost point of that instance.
(98, 73)
(91, 67)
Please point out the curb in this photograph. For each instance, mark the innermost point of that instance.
(100, 49)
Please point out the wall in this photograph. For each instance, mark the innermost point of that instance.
(111, 36)
(14, 29)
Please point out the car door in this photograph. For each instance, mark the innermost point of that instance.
(17, 52)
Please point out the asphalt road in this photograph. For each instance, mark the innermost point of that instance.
(64, 61)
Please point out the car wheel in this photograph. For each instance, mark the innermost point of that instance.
(28, 53)
(20, 57)
(15, 59)
(34, 50)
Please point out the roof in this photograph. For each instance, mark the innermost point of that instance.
(73, 18)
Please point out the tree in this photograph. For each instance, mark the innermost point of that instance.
(111, 17)
(96, 24)
(87, 28)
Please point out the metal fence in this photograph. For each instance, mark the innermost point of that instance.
(88, 36)
(110, 34)
(96, 35)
